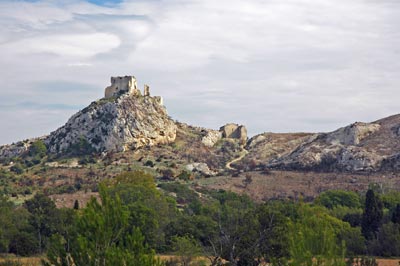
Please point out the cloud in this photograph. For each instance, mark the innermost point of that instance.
(293, 65)
(68, 45)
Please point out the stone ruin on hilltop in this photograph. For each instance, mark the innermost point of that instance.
(127, 85)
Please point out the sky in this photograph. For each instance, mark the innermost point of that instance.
(272, 65)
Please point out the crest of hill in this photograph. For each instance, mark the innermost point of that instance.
(124, 119)
(359, 147)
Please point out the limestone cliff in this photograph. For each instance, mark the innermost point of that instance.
(116, 124)
(122, 120)
(358, 147)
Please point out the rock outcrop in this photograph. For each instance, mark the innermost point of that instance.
(359, 147)
(126, 119)
(129, 121)
(16, 149)
(122, 120)
(201, 168)
(234, 131)
(211, 137)
(264, 148)
(353, 134)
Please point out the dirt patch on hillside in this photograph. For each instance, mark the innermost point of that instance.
(68, 200)
(262, 186)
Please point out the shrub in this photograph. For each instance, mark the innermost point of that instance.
(149, 163)
(38, 148)
(334, 198)
(17, 168)
(185, 175)
(167, 174)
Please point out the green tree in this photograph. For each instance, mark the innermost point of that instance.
(23, 236)
(81, 147)
(313, 240)
(17, 168)
(372, 216)
(334, 198)
(43, 213)
(6, 223)
(236, 237)
(38, 148)
(76, 205)
(387, 242)
(102, 238)
(187, 248)
(273, 231)
(396, 215)
(148, 209)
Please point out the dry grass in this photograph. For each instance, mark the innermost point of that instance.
(388, 262)
(29, 261)
(291, 184)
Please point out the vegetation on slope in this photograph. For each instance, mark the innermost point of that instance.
(133, 219)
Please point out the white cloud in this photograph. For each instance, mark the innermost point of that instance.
(68, 45)
(277, 65)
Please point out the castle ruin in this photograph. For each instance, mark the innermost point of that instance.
(128, 85)
(121, 85)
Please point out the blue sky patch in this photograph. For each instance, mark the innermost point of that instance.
(97, 2)
(105, 2)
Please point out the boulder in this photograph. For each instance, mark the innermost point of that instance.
(211, 137)
(201, 168)
(234, 131)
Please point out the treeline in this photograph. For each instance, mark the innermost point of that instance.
(134, 219)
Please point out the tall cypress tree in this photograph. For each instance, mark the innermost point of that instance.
(372, 216)
(396, 215)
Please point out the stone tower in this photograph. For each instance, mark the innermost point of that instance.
(121, 85)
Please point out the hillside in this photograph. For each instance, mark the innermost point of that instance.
(359, 147)
(129, 129)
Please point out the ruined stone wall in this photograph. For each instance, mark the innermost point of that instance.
(121, 85)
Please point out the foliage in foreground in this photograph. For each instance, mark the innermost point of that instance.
(134, 219)
(102, 238)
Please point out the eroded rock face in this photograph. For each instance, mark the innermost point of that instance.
(16, 149)
(234, 131)
(353, 134)
(211, 137)
(201, 168)
(338, 150)
(270, 146)
(122, 120)
(128, 122)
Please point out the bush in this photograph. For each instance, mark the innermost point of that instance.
(387, 242)
(82, 147)
(38, 148)
(185, 175)
(186, 248)
(17, 168)
(334, 198)
(23, 244)
(167, 174)
(149, 163)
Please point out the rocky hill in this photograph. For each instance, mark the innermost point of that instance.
(123, 120)
(359, 147)
(127, 120)
(129, 129)
(116, 124)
